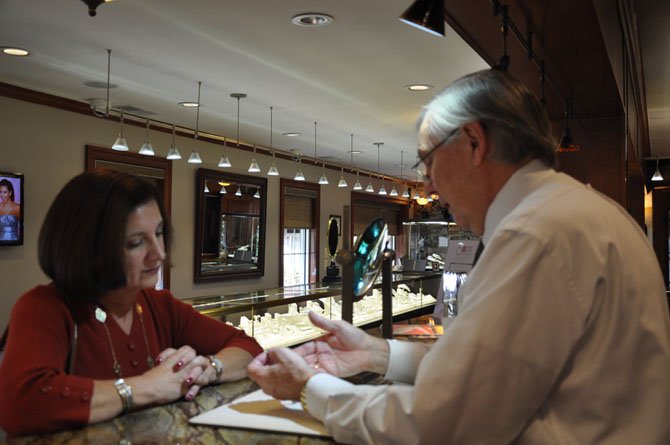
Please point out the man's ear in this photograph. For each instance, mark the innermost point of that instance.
(478, 140)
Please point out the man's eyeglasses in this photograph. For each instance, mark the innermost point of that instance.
(420, 167)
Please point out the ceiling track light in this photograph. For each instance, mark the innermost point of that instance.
(224, 162)
(92, 104)
(427, 15)
(298, 175)
(357, 184)
(254, 167)
(238, 192)
(272, 171)
(120, 144)
(657, 174)
(405, 194)
(238, 96)
(322, 180)
(567, 143)
(504, 62)
(173, 152)
(382, 189)
(147, 149)
(195, 156)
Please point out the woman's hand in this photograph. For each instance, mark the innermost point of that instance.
(195, 371)
(346, 350)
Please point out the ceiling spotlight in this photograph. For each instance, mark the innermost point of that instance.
(657, 174)
(312, 19)
(427, 15)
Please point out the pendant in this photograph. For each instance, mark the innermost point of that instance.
(117, 369)
(100, 315)
(150, 362)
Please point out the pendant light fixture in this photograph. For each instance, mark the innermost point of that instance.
(567, 143)
(298, 175)
(322, 180)
(93, 106)
(343, 182)
(238, 192)
(273, 167)
(147, 149)
(382, 190)
(173, 153)
(357, 184)
(206, 188)
(370, 188)
(253, 167)
(257, 195)
(120, 144)
(224, 162)
(238, 96)
(405, 194)
(195, 157)
(223, 189)
(657, 174)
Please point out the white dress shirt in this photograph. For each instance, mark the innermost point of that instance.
(562, 336)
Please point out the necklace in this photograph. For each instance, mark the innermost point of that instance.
(101, 316)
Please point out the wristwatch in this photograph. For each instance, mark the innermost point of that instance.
(218, 367)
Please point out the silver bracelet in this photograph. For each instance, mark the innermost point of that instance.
(126, 394)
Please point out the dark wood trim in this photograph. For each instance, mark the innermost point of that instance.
(661, 207)
(283, 184)
(93, 153)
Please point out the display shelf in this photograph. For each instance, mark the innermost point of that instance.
(278, 317)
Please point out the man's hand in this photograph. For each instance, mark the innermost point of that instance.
(281, 373)
(346, 350)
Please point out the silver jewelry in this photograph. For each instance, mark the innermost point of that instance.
(125, 393)
(218, 367)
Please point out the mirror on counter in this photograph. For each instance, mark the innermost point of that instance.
(229, 226)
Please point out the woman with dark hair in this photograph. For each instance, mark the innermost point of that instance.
(10, 212)
(99, 340)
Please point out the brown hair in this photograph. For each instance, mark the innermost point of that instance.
(81, 241)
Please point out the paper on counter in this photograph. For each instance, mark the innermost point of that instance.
(259, 411)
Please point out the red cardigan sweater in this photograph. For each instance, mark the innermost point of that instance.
(36, 394)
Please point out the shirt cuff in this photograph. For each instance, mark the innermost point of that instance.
(317, 391)
(404, 360)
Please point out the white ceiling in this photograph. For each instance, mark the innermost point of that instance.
(349, 76)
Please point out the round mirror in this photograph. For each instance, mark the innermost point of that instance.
(333, 236)
(368, 254)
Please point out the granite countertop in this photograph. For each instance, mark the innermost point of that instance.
(168, 424)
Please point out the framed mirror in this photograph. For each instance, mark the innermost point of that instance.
(229, 226)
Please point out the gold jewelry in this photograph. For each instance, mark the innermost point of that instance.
(125, 393)
(101, 316)
(218, 367)
(303, 398)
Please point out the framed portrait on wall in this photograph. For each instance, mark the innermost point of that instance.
(12, 201)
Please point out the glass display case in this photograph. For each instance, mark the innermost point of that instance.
(278, 317)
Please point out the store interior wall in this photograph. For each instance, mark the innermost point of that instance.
(47, 145)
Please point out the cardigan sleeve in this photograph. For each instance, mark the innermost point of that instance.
(37, 395)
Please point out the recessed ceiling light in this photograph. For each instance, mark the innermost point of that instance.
(401, 165)
(355, 152)
(290, 134)
(312, 19)
(12, 51)
(189, 104)
(99, 84)
(419, 87)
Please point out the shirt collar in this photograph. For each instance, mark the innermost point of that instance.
(523, 182)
